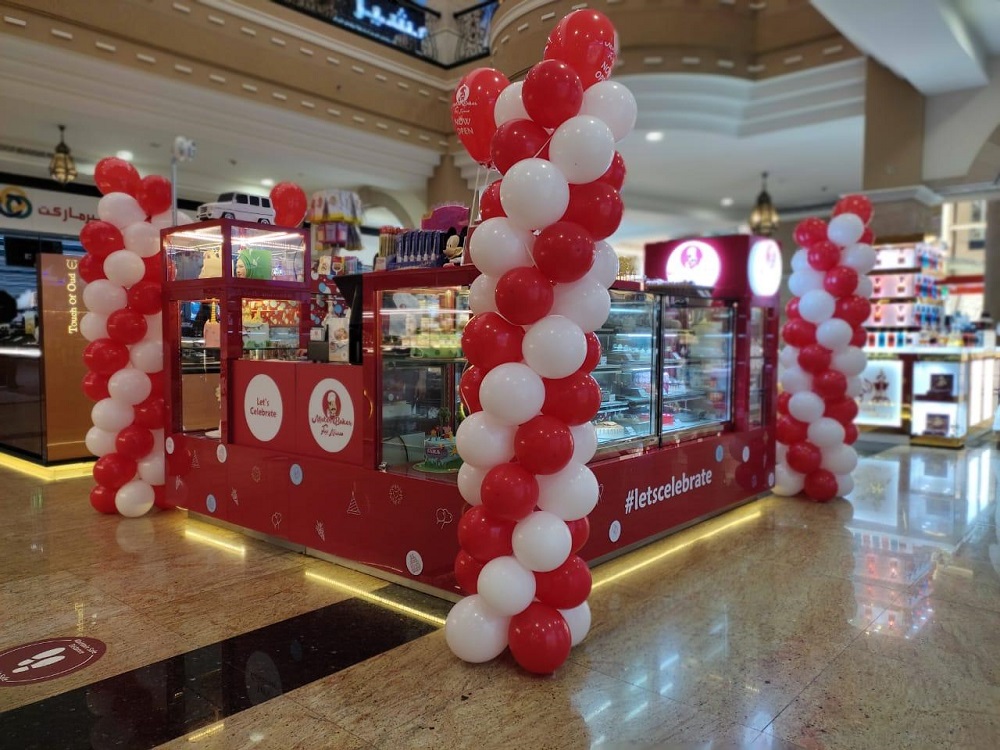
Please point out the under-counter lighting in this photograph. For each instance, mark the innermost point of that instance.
(206, 538)
(126, 155)
(207, 731)
(654, 135)
(381, 601)
(46, 473)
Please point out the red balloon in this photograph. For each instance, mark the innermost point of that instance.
(539, 638)
(823, 255)
(851, 434)
(154, 268)
(468, 388)
(154, 194)
(792, 309)
(783, 398)
(821, 485)
(516, 140)
(565, 587)
(91, 268)
(101, 238)
(126, 326)
(844, 410)
(552, 93)
(160, 497)
(483, 536)
(573, 400)
(489, 340)
(472, 107)
(489, 202)
(841, 281)
(854, 309)
(804, 457)
(134, 442)
(523, 295)
(859, 337)
(854, 204)
(593, 358)
(156, 381)
(615, 176)
(150, 414)
(467, 570)
(799, 332)
(509, 491)
(95, 386)
(114, 175)
(815, 358)
(543, 445)
(290, 204)
(145, 298)
(789, 430)
(831, 384)
(114, 470)
(586, 41)
(810, 231)
(595, 206)
(580, 530)
(867, 236)
(564, 252)
(105, 356)
(102, 499)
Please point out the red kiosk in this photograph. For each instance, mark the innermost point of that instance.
(330, 456)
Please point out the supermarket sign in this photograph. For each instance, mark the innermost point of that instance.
(45, 211)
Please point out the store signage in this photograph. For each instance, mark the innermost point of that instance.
(881, 401)
(390, 16)
(694, 262)
(39, 661)
(263, 408)
(764, 268)
(331, 415)
(638, 499)
(33, 210)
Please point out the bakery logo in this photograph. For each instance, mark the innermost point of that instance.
(462, 94)
(638, 499)
(331, 415)
(764, 268)
(694, 263)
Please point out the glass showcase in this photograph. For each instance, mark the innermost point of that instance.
(249, 252)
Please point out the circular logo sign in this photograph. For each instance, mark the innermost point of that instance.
(331, 415)
(414, 562)
(45, 660)
(694, 262)
(262, 407)
(764, 268)
(615, 531)
(14, 203)
(462, 94)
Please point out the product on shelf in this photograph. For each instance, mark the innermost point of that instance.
(440, 448)
(212, 333)
(609, 430)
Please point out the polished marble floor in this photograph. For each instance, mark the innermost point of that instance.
(872, 622)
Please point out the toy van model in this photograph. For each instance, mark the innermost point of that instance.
(238, 206)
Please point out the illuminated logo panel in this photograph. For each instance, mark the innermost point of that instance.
(694, 262)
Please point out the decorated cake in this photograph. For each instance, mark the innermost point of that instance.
(440, 448)
(608, 430)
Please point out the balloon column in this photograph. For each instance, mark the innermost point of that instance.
(529, 392)
(823, 356)
(122, 269)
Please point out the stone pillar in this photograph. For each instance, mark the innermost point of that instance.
(447, 185)
(991, 285)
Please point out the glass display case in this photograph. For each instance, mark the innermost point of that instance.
(757, 405)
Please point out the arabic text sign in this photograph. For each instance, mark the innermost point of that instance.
(47, 211)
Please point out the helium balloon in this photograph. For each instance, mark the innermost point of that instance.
(470, 483)
(578, 620)
(114, 175)
(571, 493)
(516, 140)
(552, 93)
(134, 442)
(595, 206)
(512, 393)
(142, 238)
(821, 485)
(290, 204)
(102, 499)
(105, 356)
(104, 297)
(585, 40)
(845, 229)
(113, 470)
(533, 193)
(484, 536)
(489, 202)
(615, 176)
(841, 281)
(554, 347)
(101, 238)
(858, 205)
(543, 445)
(564, 252)
(541, 542)
(483, 441)
(509, 491)
(509, 105)
(506, 585)
(473, 113)
(154, 194)
(467, 569)
(539, 639)
(498, 246)
(574, 400)
(120, 209)
(469, 386)
(489, 340)
(810, 231)
(94, 326)
(130, 386)
(803, 457)
(824, 255)
(565, 587)
(524, 295)
(474, 632)
(613, 104)
(583, 149)
(126, 326)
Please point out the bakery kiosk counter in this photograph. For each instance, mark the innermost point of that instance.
(356, 460)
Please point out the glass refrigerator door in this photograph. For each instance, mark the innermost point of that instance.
(697, 352)
(757, 406)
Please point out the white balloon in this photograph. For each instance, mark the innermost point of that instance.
(120, 209)
(570, 493)
(861, 257)
(166, 220)
(795, 380)
(826, 433)
(482, 294)
(474, 631)
(497, 246)
(578, 620)
(483, 441)
(835, 334)
(506, 585)
(800, 260)
(845, 229)
(789, 356)
(111, 415)
(554, 347)
(542, 541)
(470, 483)
(582, 148)
(585, 302)
(142, 238)
(840, 459)
(534, 194)
(147, 356)
(509, 105)
(130, 386)
(134, 498)
(154, 327)
(787, 482)
(605, 268)
(845, 485)
(584, 442)
(805, 280)
(123, 267)
(806, 406)
(854, 386)
(158, 439)
(512, 393)
(104, 297)
(865, 287)
(100, 442)
(94, 326)
(612, 103)
(780, 452)
(153, 468)
(850, 361)
(817, 306)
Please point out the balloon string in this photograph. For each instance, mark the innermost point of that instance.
(544, 146)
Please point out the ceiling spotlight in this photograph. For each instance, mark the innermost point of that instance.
(726, 202)
(654, 135)
(62, 168)
(126, 155)
(268, 182)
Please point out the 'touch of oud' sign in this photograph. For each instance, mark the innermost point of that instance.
(46, 660)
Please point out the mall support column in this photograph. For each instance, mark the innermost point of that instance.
(991, 295)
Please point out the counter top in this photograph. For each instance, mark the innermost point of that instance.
(931, 351)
